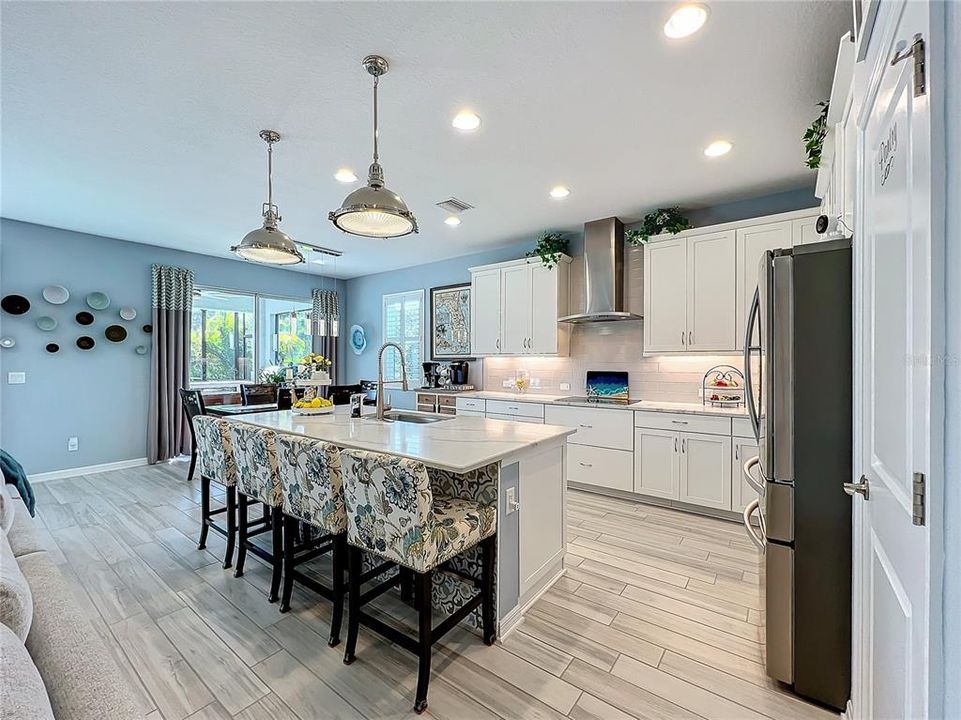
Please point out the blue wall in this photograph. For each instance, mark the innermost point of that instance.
(99, 396)
(755, 207)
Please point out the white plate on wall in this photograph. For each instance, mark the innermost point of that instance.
(98, 300)
(128, 313)
(56, 294)
(7, 342)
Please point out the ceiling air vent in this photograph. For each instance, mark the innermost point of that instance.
(453, 205)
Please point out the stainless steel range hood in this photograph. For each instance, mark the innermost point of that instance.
(603, 273)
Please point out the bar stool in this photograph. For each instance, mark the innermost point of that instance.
(193, 402)
(312, 492)
(393, 513)
(257, 479)
(215, 456)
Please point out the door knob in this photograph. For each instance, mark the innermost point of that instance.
(859, 487)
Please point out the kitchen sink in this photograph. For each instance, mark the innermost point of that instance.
(412, 417)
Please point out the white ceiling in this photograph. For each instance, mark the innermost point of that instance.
(139, 120)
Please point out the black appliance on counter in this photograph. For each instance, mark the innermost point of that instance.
(802, 419)
(459, 372)
(432, 374)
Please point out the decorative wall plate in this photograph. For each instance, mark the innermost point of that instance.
(46, 323)
(128, 313)
(52, 348)
(98, 300)
(115, 333)
(140, 349)
(56, 294)
(85, 342)
(84, 318)
(15, 304)
(147, 329)
(7, 342)
(358, 339)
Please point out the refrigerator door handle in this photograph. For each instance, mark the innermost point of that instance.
(757, 485)
(752, 507)
(752, 318)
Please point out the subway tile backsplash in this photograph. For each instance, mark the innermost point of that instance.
(610, 346)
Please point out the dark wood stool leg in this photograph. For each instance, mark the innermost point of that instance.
(277, 552)
(231, 525)
(193, 462)
(423, 590)
(204, 511)
(337, 570)
(406, 584)
(290, 538)
(487, 588)
(242, 503)
(354, 569)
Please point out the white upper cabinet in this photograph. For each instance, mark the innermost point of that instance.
(665, 296)
(710, 292)
(752, 242)
(804, 231)
(486, 324)
(515, 306)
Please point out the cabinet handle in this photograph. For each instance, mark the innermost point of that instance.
(682, 337)
(690, 337)
(675, 444)
(586, 426)
(497, 343)
(584, 464)
(511, 407)
(679, 422)
(684, 445)
(737, 452)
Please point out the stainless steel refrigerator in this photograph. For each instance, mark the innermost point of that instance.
(798, 370)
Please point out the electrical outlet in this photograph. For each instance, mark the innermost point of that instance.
(565, 386)
(507, 383)
(535, 382)
(510, 500)
(73, 444)
(16, 378)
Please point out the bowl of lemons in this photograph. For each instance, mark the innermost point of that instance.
(317, 406)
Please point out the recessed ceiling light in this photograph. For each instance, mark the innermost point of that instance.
(686, 20)
(345, 175)
(718, 148)
(559, 191)
(466, 121)
(452, 220)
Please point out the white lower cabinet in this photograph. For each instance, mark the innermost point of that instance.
(515, 418)
(542, 514)
(602, 467)
(741, 492)
(705, 470)
(657, 463)
(471, 413)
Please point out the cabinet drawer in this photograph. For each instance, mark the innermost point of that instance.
(468, 403)
(508, 407)
(595, 426)
(446, 401)
(470, 413)
(683, 422)
(600, 466)
(741, 427)
(515, 418)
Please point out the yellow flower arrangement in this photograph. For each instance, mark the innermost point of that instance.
(315, 359)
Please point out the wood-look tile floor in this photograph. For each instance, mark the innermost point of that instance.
(659, 616)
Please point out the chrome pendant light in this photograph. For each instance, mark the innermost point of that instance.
(375, 211)
(269, 244)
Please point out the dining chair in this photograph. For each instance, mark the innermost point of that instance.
(217, 464)
(258, 393)
(193, 404)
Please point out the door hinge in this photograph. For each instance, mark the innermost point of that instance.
(917, 516)
(916, 53)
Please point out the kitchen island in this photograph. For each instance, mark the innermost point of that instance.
(524, 464)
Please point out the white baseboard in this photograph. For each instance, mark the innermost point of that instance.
(86, 470)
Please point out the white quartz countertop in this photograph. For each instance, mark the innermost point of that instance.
(457, 444)
(651, 405)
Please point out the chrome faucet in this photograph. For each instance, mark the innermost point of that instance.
(381, 403)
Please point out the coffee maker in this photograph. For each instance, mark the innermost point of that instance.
(431, 374)
(458, 372)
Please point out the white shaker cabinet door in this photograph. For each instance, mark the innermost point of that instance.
(706, 470)
(804, 230)
(752, 242)
(486, 312)
(711, 284)
(665, 296)
(515, 309)
(656, 463)
(741, 492)
(544, 309)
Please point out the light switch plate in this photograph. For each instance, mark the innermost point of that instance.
(16, 378)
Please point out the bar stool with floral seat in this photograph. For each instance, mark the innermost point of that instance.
(215, 460)
(393, 513)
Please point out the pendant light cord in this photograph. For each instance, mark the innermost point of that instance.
(376, 132)
(270, 175)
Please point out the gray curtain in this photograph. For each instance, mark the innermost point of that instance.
(172, 297)
(326, 314)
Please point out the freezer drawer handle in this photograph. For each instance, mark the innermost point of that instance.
(586, 426)
(752, 508)
(749, 475)
(679, 422)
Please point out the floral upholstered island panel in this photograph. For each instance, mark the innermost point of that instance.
(310, 482)
(215, 456)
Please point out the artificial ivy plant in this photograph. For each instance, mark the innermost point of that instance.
(814, 137)
(656, 222)
(549, 248)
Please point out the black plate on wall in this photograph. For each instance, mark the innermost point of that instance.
(115, 333)
(52, 348)
(85, 342)
(147, 329)
(84, 318)
(15, 304)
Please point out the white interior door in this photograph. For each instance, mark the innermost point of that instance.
(486, 312)
(665, 296)
(515, 309)
(896, 431)
(711, 282)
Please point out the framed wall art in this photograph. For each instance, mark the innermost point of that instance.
(450, 322)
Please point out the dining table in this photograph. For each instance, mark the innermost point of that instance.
(232, 410)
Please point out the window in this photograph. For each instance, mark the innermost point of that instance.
(236, 336)
(404, 325)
